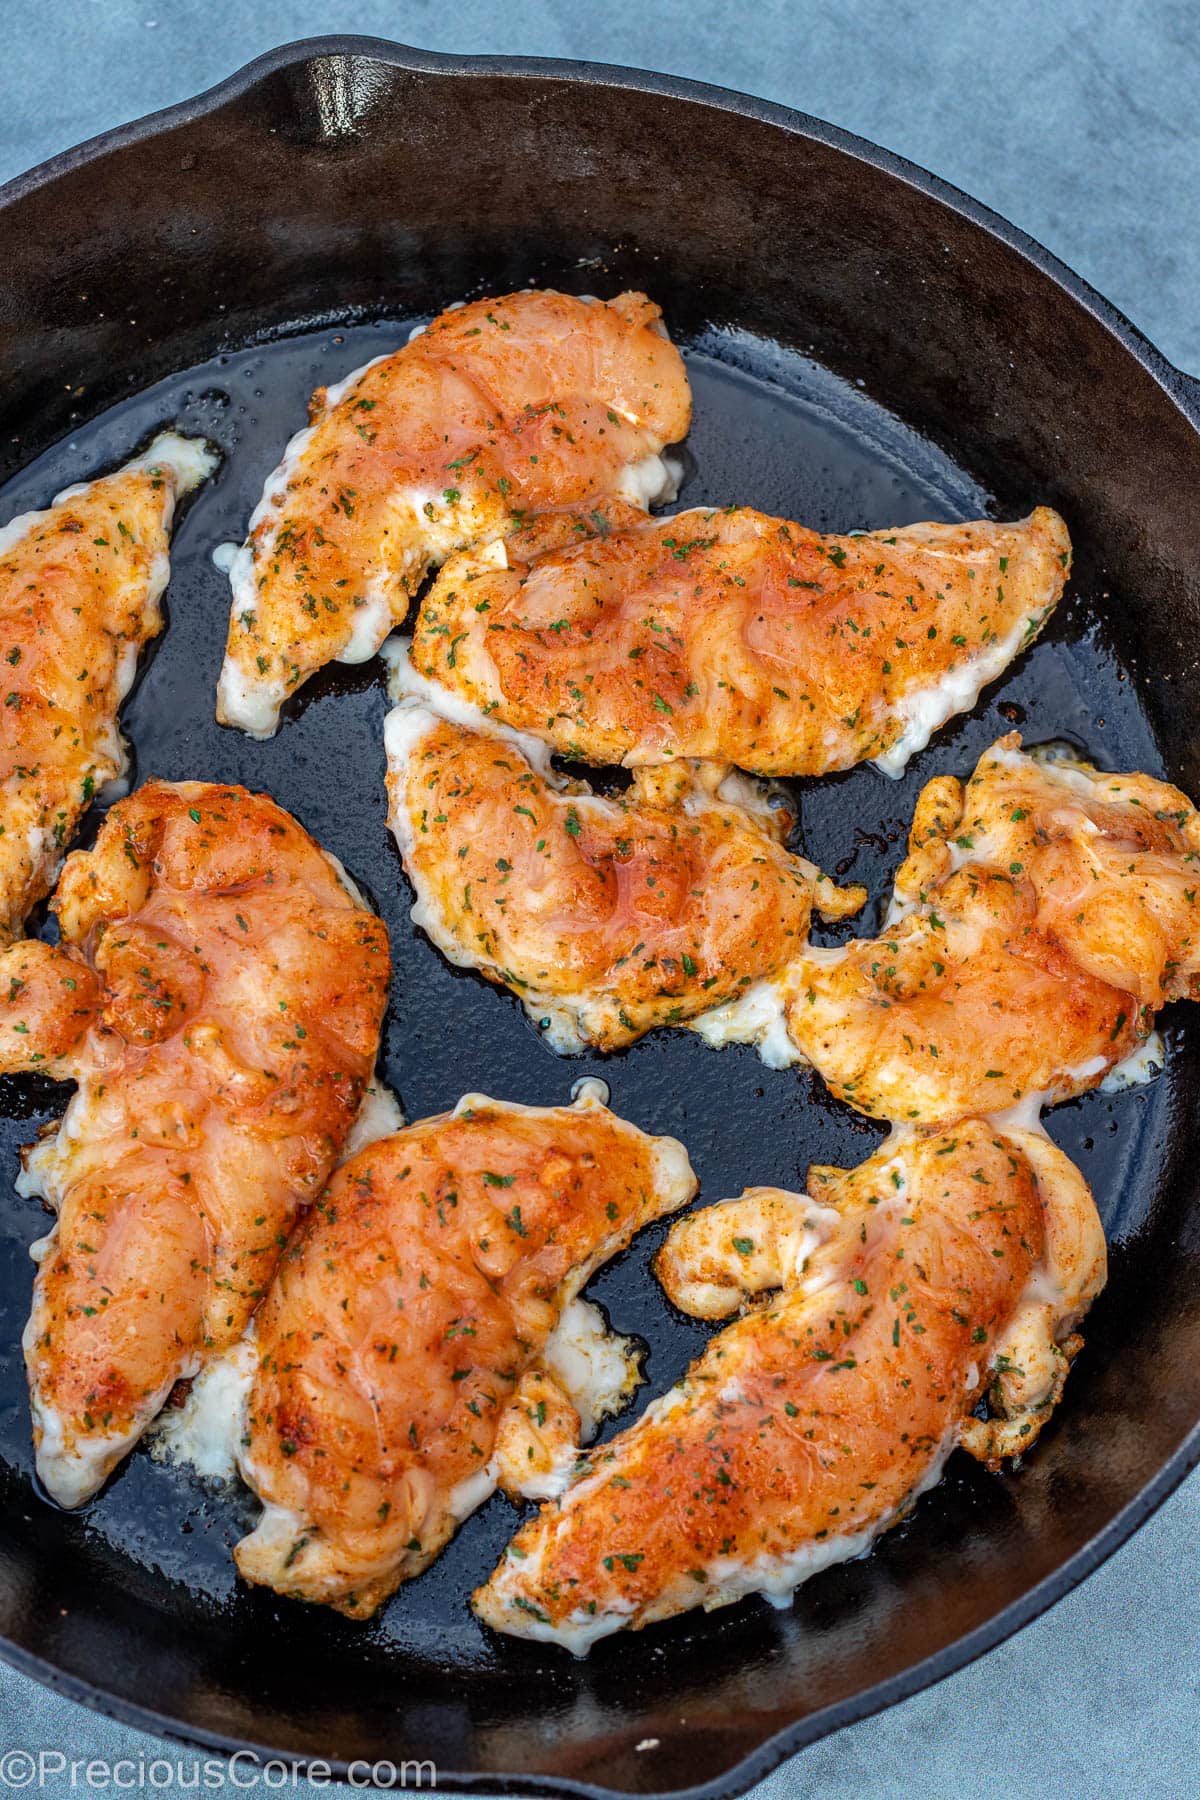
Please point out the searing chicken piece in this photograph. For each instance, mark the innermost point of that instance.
(201, 1426)
(739, 638)
(218, 997)
(533, 402)
(1113, 859)
(810, 1425)
(607, 917)
(49, 997)
(411, 1313)
(80, 586)
(1044, 914)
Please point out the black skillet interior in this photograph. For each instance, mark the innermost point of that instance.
(865, 350)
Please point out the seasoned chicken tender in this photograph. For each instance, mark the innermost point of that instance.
(49, 996)
(80, 586)
(410, 1314)
(218, 997)
(1113, 859)
(529, 403)
(1044, 914)
(741, 638)
(607, 917)
(813, 1422)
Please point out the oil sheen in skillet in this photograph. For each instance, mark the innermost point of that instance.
(779, 433)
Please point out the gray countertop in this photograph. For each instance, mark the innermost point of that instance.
(1076, 119)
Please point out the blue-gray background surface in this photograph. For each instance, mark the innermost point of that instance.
(1077, 119)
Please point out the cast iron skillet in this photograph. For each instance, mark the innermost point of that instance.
(867, 347)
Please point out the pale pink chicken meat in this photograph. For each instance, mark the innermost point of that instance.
(400, 1356)
(878, 1310)
(735, 637)
(606, 916)
(1045, 913)
(528, 403)
(218, 996)
(80, 587)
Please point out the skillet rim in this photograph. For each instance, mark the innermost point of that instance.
(1182, 388)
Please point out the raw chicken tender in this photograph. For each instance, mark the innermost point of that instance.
(80, 586)
(217, 996)
(743, 639)
(899, 1293)
(1044, 914)
(412, 1315)
(530, 403)
(607, 917)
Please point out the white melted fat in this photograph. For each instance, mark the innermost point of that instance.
(207, 1431)
(1139, 1067)
(190, 460)
(925, 710)
(468, 1495)
(72, 1476)
(654, 481)
(596, 1367)
(759, 1017)
(378, 1116)
(254, 709)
